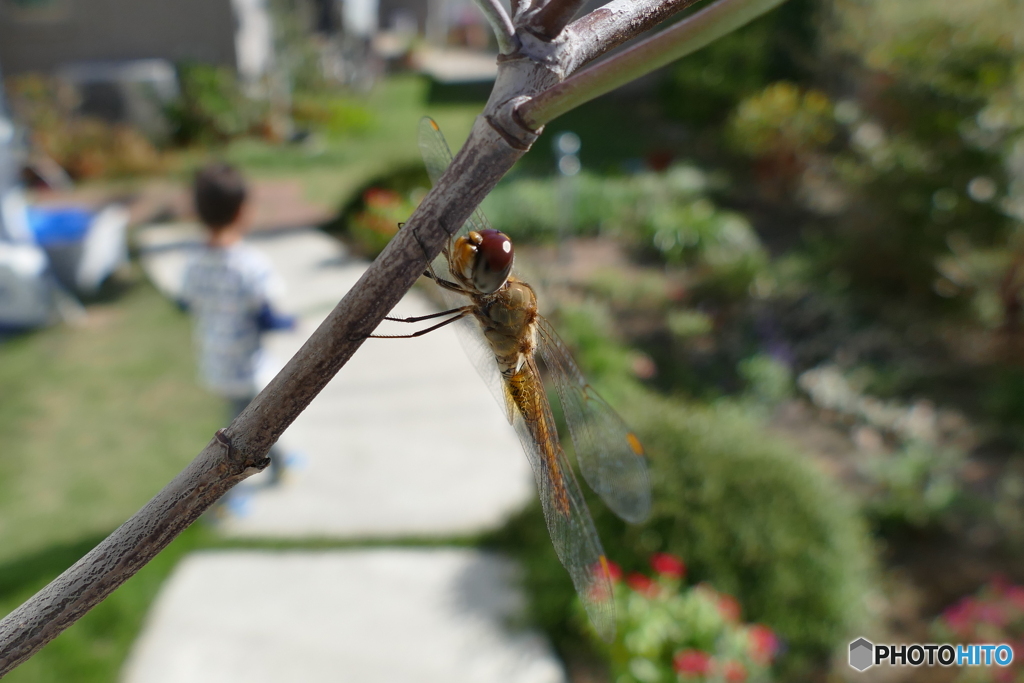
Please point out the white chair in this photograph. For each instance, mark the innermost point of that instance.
(26, 289)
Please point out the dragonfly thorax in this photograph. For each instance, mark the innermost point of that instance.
(483, 259)
(509, 321)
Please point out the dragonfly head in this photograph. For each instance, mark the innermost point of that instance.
(485, 259)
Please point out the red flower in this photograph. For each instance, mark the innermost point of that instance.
(668, 565)
(1015, 594)
(729, 607)
(992, 614)
(763, 643)
(641, 584)
(614, 571)
(734, 672)
(379, 197)
(959, 616)
(692, 662)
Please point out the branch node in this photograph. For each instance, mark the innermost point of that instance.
(548, 20)
(224, 440)
(236, 458)
(506, 122)
(539, 48)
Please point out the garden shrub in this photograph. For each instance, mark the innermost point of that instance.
(769, 380)
(703, 87)
(371, 229)
(85, 147)
(916, 485)
(211, 107)
(755, 521)
(371, 218)
(664, 217)
(782, 119)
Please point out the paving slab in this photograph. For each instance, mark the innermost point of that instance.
(384, 615)
(405, 441)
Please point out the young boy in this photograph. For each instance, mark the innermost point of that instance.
(228, 289)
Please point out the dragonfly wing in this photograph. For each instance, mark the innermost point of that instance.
(610, 456)
(569, 522)
(437, 156)
(480, 355)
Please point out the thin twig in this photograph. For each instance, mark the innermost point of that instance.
(518, 6)
(611, 25)
(500, 22)
(549, 21)
(684, 37)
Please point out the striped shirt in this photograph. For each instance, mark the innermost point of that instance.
(224, 290)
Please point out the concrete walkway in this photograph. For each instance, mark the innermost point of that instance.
(405, 441)
(359, 616)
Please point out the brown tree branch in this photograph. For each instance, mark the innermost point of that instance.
(611, 25)
(549, 21)
(518, 7)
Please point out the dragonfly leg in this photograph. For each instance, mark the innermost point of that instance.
(446, 284)
(420, 333)
(424, 317)
(450, 285)
(418, 240)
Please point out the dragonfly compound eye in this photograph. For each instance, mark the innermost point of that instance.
(493, 261)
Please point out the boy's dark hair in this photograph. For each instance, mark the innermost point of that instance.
(219, 193)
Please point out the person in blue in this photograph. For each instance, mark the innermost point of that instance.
(229, 289)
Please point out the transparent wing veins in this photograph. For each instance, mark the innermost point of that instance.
(609, 454)
(437, 156)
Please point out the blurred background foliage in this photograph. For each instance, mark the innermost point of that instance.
(825, 242)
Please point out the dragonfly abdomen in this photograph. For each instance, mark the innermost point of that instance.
(524, 388)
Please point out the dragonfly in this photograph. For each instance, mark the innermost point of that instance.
(505, 336)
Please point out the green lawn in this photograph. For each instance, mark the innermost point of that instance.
(94, 419)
